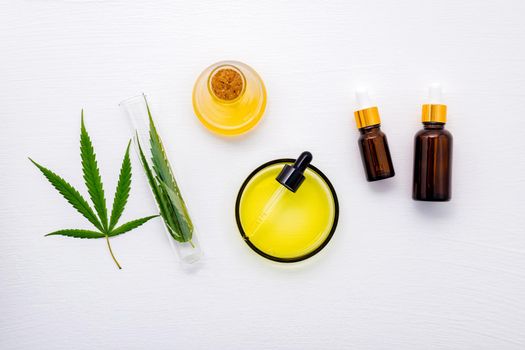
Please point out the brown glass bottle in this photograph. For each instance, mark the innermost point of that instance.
(433, 152)
(373, 145)
(432, 163)
(375, 153)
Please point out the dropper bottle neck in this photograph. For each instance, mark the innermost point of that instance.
(433, 126)
(372, 129)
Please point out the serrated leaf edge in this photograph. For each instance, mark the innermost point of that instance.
(91, 175)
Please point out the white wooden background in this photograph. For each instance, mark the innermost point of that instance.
(397, 275)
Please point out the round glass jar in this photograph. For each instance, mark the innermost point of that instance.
(229, 98)
(296, 225)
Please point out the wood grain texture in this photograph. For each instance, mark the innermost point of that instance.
(422, 276)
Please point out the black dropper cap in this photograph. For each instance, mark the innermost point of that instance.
(292, 176)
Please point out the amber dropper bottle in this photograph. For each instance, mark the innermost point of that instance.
(433, 152)
(373, 144)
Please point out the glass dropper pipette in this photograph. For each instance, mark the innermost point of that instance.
(290, 177)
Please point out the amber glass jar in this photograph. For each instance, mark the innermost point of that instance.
(433, 152)
(373, 144)
(432, 163)
(375, 153)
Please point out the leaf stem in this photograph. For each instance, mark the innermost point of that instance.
(111, 252)
(191, 243)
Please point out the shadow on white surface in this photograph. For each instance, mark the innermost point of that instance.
(434, 209)
(382, 186)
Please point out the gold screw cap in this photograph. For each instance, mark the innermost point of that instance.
(367, 113)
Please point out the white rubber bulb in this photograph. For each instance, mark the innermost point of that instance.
(435, 94)
(363, 99)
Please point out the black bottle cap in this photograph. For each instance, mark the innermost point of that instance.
(292, 176)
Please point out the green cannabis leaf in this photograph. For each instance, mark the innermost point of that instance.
(164, 187)
(92, 174)
(95, 189)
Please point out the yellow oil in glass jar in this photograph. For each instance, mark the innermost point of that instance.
(229, 98)
(285, 226)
